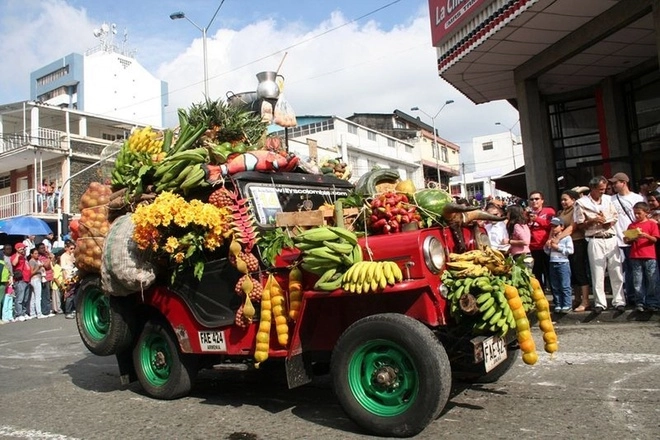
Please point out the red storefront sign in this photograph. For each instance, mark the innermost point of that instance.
(447, 15)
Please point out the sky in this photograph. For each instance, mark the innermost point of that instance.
(342, 56)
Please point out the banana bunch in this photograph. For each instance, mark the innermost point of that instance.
(490, 258)
(182, 171)
(491, 309)
(467, 269)
(145, 140)
(328, 251)
(128, 167)
(371, 276)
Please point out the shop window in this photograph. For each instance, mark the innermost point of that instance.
(487, 146)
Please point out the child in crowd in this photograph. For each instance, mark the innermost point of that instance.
(519, 235)
(57, 286)
(21, 296)
(643, 234)
(560, 269)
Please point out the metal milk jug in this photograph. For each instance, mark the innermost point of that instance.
(267, 87)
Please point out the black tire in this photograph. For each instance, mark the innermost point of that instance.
(105, 323)
(406, 354)
(162, 370)
(493, 375)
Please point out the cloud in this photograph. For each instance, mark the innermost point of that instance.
(333, 67)
(35, 34)
(336, 68)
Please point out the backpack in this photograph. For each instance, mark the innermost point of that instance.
(4, 276)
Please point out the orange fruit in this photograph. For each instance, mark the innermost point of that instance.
(538, 294)
(530, 358)
(524, 335)
(551, 347)
(546, 326)
(527, 345)
(542, 305)
(519, 313)
(534, 283)
(522, 324)
(515, 303)
(543, 316)
(550, 337)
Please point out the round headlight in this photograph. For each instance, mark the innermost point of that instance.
(434, 254)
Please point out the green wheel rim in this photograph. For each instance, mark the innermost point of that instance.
(96, 313)
(383, 378)
(155, 359)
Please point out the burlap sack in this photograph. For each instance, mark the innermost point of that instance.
(125, 268)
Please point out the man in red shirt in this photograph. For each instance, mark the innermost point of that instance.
(539, 217)
(642, 234)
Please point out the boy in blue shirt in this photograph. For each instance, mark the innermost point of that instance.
(560, 269)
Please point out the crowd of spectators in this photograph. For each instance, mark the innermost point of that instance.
(592, 236)
(37, 280)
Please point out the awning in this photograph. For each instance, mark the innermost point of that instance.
(513, 182)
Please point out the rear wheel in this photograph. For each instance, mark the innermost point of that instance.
(391, 375)
(162, 370)
(104, 322)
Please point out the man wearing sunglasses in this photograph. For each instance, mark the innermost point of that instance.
(539, 217)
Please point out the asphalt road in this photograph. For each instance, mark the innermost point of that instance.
(603, 383)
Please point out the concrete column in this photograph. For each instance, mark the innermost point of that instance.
(34, 125)
(656, 24)
(615, 120)
(82, 126)
(537, 147)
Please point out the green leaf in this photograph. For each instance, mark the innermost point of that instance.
(199, 269)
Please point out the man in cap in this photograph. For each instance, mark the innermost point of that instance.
(597, 215)
(624, 200)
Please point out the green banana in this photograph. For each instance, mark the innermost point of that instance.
(468, 283)
(195, 177)
(483, 298)
(340, 248)
(333, 282)
(496, 317)
(316, 235)
(487, 304)
(327, 275)
(488, 313)
(324, 252)
(345, 234)
(200, 154)
(356, 255)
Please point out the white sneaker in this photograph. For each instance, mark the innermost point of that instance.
(40, 316)
(29, 317)
(21, 318)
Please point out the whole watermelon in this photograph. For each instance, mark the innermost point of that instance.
(431, 202)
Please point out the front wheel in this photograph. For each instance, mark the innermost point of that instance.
(105, 323)
(162, 370)
(391, 375)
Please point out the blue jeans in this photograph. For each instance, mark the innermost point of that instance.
(560, 283)
(645, 281)
(22, 299)
(628, 283)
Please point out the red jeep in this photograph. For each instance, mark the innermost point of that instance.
(391, 355)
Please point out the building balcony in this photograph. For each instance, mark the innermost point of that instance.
(29, 202)
(18, 150)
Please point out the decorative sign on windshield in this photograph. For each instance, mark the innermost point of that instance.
(269, 199)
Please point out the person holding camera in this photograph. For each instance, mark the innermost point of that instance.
(539, 217)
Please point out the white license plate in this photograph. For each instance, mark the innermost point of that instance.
(494, 352)
(212, 341)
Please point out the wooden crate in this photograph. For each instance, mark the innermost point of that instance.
(304, 219)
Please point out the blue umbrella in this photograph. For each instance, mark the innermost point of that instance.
(24, 225)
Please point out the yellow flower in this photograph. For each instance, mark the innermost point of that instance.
(178, 257)
(171, 245)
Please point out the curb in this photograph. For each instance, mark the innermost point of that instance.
(610, 315)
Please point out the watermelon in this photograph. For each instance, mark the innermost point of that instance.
(432, 202)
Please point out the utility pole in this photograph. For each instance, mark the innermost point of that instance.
(436, 149)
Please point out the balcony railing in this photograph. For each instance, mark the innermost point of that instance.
(45, 137)
(27, 202)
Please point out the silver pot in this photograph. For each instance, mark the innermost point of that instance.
(241, 99)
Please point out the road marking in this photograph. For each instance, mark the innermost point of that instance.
(604, 358)
(10, 431)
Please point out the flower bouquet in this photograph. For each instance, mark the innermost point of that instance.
(180, 230)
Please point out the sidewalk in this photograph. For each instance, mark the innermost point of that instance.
(609, 315)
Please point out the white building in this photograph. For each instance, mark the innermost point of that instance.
(362, 148)
(107, 80)
(490, 157)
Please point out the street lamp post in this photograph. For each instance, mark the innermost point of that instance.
(513, 142)
(180, 14)
(436, 151)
